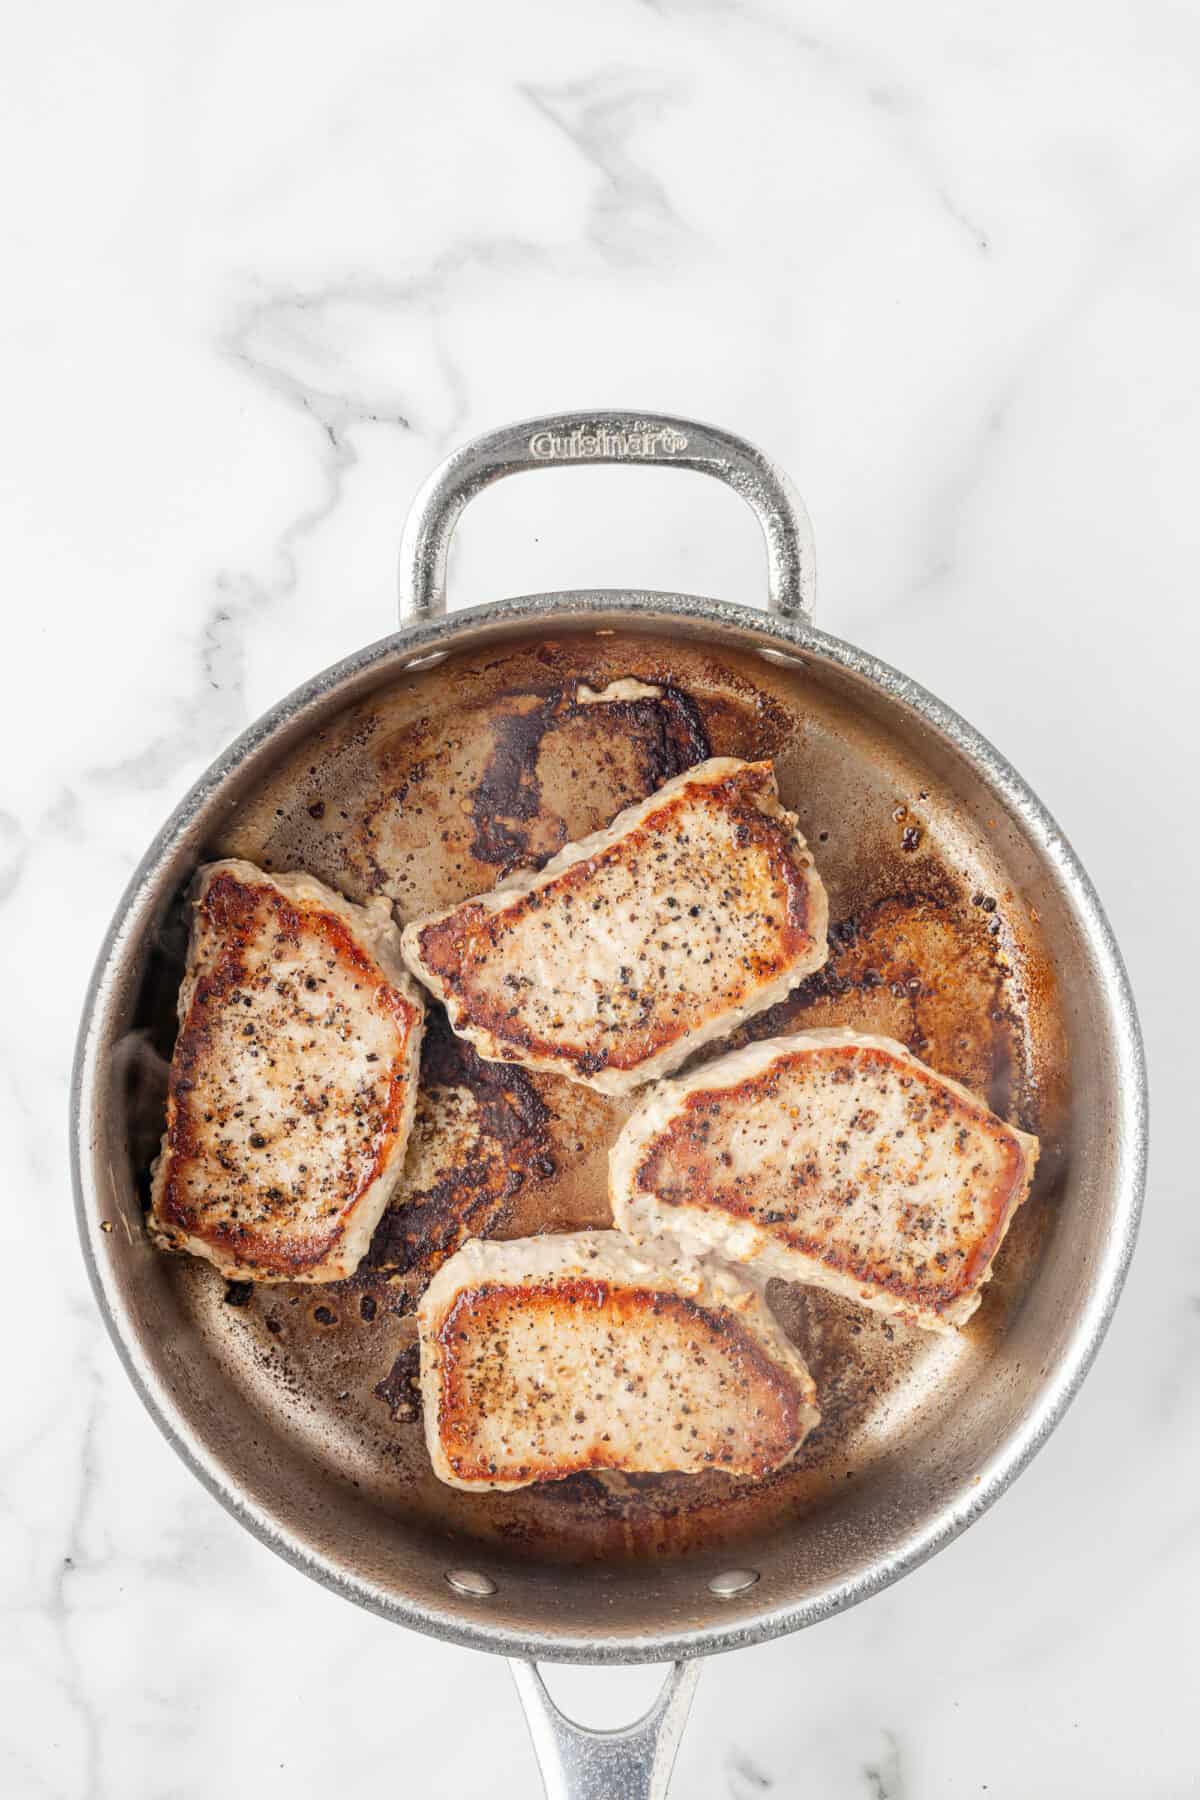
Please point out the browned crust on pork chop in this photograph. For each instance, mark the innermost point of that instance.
(544, 1358)
(835, 1158)
(695, 909)
(293, 1079)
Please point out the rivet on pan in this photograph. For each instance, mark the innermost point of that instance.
(782, 656)
(472, 1582)
(731, 1582)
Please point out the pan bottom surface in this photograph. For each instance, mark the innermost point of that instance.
(432, 790)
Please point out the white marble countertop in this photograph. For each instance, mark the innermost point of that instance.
(265, 265)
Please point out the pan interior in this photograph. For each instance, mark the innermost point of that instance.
(440, 782)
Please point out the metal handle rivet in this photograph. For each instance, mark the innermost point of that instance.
(472, 1582)
(732, 1581)
(783, 657)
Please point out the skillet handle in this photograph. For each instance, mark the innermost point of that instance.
(634, 1764)
(606, 437)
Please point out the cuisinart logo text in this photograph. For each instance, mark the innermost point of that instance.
(640, 440)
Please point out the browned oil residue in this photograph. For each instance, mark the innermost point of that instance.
(452, 805)
(659, 735)
(919, 967)
(480, 1136)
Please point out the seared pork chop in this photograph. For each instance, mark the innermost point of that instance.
(694, 909)
(293, 1079)
(542, 1357)
(831, 1157)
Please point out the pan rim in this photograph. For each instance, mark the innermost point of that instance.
(454, 1621)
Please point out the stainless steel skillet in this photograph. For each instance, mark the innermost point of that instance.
(963, 921)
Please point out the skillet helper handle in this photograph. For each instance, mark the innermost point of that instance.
(633, 1764)
(630, 437)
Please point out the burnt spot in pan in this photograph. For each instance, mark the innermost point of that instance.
(399, 1389)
